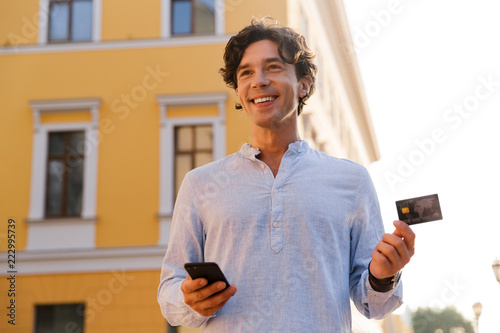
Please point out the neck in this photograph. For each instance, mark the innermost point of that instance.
(273, 144)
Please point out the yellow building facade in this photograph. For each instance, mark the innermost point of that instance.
(105, 105)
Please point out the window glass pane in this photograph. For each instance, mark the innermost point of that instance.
(204, 16)
(44, 319)
(81, 20)
(59, 318)
(54, 187)
(74, 186)
(202, 159)
(184, 138)
(203, 137)
(181, 17)
(183, 163)
(76, 142)
(59, 21)
(56, 143)
(210, 4)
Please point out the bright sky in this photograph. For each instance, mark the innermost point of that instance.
(431, 72)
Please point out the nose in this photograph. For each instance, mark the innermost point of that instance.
(260, 80)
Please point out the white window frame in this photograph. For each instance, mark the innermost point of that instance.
(167, 149)
(43, 21)
(69, 232)
(166, 24)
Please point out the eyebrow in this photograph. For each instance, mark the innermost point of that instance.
(266, 61)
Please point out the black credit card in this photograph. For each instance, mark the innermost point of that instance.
(420, 209)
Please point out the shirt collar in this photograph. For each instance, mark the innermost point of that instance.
(295, 147)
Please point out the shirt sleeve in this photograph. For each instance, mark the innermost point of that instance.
(367, 230)
(186, 243)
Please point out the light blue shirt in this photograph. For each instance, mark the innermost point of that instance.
(296, 246)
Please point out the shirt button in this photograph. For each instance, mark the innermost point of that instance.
(275, 191)
(276, 224)
(262, 166)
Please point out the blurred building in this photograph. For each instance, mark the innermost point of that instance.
(105, 106)
(398, 323)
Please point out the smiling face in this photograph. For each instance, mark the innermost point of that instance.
(268, 87)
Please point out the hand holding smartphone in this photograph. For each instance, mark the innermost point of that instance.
(206, 299)
(207, 270)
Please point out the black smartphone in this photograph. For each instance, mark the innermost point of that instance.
(206, 270)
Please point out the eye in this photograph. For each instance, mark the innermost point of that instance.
(244, 73)
(274, 67)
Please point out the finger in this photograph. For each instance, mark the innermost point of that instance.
(381, 267)
(399, 245)
(210, 311)
(213, 303)
(189, 285)
(404, 230)
(219, 298)
(203, 293)
(390, 253)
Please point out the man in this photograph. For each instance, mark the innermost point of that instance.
(298, 232)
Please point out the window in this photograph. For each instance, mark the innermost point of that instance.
(193, 17)
(64, 174)
(63, 189)
(192, 133)
(70, 21)
(193, 148)
(59, 318)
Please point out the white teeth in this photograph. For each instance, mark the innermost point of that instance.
(264, 99)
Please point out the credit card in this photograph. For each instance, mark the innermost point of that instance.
(420, 209)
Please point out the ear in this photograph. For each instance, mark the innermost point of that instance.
(305, 83)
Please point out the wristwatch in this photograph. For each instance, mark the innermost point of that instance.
(383, 287)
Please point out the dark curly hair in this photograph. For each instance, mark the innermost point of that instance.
(292, 48)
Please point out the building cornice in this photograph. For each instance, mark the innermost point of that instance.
(89, 260)
(115, 45)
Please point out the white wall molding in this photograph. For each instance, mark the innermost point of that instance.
(116, 45)
(164, 229)
(61, 234)
(96, 20)
(65, 106)
(166, 13)
(192, 99)
(43, 21)
(88, 261)
(220, 18)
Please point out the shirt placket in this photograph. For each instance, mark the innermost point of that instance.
(277, 204)
(277, 199)
(276, 217)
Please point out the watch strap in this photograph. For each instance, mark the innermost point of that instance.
(383, 287)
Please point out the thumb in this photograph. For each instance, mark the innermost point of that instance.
(396, 231)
